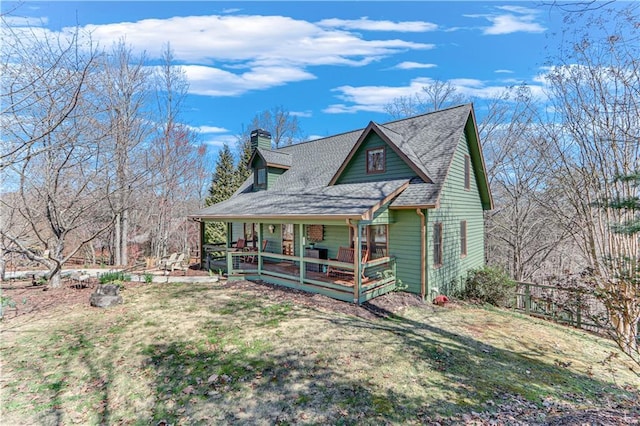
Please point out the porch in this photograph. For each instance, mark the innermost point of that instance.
(354, 282)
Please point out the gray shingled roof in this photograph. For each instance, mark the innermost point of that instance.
(428, 140)
(340, 201)
(275, 158)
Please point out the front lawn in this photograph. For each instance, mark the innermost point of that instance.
(218, 354)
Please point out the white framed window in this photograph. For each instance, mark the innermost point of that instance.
(376, 160)
(437, 244)
(467, 172)
(463, 238)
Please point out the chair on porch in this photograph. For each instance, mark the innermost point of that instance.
(346, 255)
(254, 258)
(241, 245)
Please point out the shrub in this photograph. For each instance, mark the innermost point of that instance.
(6, 301)
(148, 277)
(489, 285)
(110, 277)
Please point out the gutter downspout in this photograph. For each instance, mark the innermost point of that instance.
(423, 254)
(356, 262)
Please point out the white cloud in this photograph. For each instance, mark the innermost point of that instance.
(507, 24)
(502, 71)
(304, 114)
(517, 19)
(365, 24)
(231, 55)
(315, 137)
(407, 65)
(252, 38)
(24, 21)
(220, 141)
(208, 129)
(374, 98)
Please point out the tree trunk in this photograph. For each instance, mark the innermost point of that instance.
(117, 238)
(3, 264)
(124, 253)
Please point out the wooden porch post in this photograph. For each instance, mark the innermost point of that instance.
(202, 236)
(423, 254)
(260, 238)
(228, 252)
(301, 241)
(357, 256)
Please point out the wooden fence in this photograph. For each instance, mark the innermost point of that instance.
(572, 306)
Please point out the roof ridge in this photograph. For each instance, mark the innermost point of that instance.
(361, 129)
(428, 113)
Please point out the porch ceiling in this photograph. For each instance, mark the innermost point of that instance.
(354, 201)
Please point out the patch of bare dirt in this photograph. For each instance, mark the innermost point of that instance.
(29, 299)
(514, 410)
(381, 307)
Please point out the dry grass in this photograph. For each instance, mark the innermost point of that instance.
(206, 354)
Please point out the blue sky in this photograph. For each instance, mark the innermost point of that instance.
(333, 64)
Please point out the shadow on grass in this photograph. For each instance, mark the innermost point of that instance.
(53, 386)
(217, 387)
(230, 377)
(477, 372)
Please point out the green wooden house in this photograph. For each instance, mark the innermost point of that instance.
(354, 215)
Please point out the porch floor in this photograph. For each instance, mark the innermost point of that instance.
(289, 268)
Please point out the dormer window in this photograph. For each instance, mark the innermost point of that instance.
(261, 178)
(375, 160)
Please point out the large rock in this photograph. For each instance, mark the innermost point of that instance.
(105, 296)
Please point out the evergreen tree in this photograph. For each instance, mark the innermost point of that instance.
(223, 185)
(242, 171)
(621, 292)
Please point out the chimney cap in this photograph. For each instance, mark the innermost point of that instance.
(260, 132)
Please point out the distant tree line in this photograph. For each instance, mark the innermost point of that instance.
(95, 160)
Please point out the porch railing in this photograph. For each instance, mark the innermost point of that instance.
(306, 273)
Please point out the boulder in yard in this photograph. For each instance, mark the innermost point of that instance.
(105, 296)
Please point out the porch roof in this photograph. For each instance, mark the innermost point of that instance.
(418, 195)
(355, 201)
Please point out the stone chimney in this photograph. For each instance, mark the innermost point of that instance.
(260, 138)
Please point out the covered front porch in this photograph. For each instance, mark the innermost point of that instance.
(290, 255)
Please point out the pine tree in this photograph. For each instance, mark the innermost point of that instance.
(621, 292)
(223, 185)
(242, 171)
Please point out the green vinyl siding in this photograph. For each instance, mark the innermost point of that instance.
(456, 204)
(404, 244)
(237, 231)
(335, 236)
(273, 173)
(382, 216)
(356, 170)
(275, 240)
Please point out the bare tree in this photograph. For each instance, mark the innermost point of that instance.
(283, 126)
(55, 161)
(35, 67)
(125, 90)
(595, 91)
(522, 238)
(434, 96)
(177, 160)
